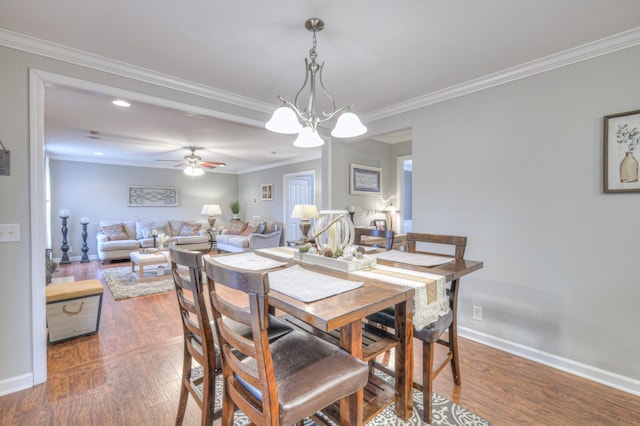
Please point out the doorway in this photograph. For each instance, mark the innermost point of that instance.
(299, 189)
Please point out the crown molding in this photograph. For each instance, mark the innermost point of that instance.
(60, 52)
(584, 52)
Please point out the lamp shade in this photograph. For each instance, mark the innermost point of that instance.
(305, 211)
(284, 121)
(348, 126)
(308, 138)
(193, 171)
(211, 210)
(391, 209)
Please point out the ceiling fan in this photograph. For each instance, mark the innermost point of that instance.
(194, 162)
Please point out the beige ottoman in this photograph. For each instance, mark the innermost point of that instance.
(145, 259)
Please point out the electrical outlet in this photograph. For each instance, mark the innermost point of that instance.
(477, 313)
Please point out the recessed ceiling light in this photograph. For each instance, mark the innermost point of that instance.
(121, 103)
(98, 153)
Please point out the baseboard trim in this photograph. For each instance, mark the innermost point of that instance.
(15, 384)
(585, 371)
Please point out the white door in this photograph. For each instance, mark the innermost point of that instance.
(300, 189)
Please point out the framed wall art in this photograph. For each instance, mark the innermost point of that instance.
(152, 196)
(365, 180)
(380, 224)
(621, 140)
(267, 192)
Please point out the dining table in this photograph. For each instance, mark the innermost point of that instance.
(346, 311)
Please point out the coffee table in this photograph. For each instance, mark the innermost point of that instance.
(146, 259)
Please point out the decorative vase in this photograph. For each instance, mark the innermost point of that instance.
(50, 266)
(333, 230)
(629, 168)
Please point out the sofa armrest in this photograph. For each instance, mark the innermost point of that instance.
(101, 238)
(260, 241)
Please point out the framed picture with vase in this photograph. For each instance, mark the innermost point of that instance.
(621, 140)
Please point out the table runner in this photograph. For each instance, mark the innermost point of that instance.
(417, 259)
(284, 252)
(249, 261)
(308, 286)
(430, 300)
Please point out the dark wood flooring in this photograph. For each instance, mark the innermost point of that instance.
(129, 374)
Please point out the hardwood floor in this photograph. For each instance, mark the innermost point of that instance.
(129, 374)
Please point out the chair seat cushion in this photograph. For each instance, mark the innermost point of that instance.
(311, 374)
(430, 333)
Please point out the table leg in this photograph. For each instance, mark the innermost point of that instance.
(141, 267)
(404, 359)
(351, 408)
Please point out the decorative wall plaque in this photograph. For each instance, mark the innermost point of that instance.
(153, 196)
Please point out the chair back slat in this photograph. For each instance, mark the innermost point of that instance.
(375, 233)
(460, 243)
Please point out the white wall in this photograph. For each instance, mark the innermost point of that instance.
(518, 169)
(99, 191)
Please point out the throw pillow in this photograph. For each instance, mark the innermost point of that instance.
(261, 227)
(237, 227)
(144, 228)
(249, 230)
(270, 227)
(114, 232)
(189, 229)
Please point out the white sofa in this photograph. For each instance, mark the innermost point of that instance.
(138, 234)
(266, 235)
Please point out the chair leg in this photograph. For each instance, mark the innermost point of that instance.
(428, 350)
(228, 408)
(455, 361)
(184, 392)
(209, 399)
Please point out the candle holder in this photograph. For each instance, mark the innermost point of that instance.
(154, 240)
(64, 215)
(84, 221)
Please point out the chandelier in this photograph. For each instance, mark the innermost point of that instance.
(290, 119)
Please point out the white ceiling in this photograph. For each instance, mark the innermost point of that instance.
(383, 56)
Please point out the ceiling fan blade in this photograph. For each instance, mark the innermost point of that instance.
(207, 166)
(213, 163)
(170, 160)
(181, 164)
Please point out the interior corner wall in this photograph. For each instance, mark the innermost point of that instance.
(518, 168)
(249, 187)
(16, 262)
(99, 191)
(366, 153)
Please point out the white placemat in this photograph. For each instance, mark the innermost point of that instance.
(416, 259)
(430, 300)
(249, 261)
(308, 286)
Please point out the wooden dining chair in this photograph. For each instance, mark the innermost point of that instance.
(198, 337)
(380, 236)
(279, 383)
(433, 333)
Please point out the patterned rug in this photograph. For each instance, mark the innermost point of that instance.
(445, 412)
(123, 284)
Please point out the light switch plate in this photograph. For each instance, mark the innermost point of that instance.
(9, 232)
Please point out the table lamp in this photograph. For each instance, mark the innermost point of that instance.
(211, 210)
(392, 210)
(304, 212)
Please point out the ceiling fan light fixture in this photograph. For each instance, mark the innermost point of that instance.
(192, 171)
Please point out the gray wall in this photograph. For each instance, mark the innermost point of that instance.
(518, 169)
(249, 185)
(99, 191)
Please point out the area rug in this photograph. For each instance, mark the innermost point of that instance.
(445, 412)
(123, 284)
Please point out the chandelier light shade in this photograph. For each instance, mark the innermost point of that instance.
(290, 118)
